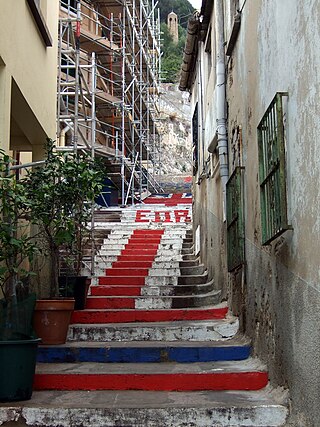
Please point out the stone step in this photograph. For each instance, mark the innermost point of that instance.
(209, 330)
(157, 252)
(148, 302)
(226, 375)
(237, 348)
(116, 290)
(89, 316)
(125, 244)
(263, 408)
(173, 280)
(145, 289)
(120, 269)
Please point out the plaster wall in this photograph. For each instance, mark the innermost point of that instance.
(208, 204)
(26, 61)
(277, 50)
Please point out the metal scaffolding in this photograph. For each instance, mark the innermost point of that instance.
(108, 88)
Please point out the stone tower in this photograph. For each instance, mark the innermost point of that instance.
(173, 26)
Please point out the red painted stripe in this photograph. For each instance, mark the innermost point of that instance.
(121, 280)
(137, 257)
(160, 382)
(132, 264)
(148, 232)
(146, 240)
(116, 290)
(115, 316)
(144, 245)
(138, 252)
(132, 272)
(110, 303)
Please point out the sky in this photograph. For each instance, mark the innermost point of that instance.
(196, 3)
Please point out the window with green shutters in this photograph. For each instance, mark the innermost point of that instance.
(195, 140)
(235, 220)
(272, 171)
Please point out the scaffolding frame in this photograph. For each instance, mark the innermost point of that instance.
(108, 88)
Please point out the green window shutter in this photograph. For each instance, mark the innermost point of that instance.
(272, 171)
(195, 140)
(235, 219)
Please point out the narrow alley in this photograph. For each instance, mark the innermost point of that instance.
(155, 346)
(159, 196)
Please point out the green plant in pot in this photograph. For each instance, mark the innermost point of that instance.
(18, 345)
(60, 192)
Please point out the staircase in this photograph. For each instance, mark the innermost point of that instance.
(154, 347)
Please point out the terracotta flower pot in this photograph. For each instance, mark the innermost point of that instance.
(51, 320)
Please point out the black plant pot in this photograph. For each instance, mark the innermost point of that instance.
(75, 287)
(17, 367)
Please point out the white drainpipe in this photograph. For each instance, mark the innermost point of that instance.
(62, 137)
(221, 99)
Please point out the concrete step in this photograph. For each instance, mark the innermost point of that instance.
(192, 270)
(247, 374)
(263, 408)
(209, 330)
(148, 302)
(172, 280)
(90, 316)
(237, 348)
(117, 271)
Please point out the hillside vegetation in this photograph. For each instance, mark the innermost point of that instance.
(173, 52)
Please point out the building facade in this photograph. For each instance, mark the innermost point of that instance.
(252, 70)
(28, 75)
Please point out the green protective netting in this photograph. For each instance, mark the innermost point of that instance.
(16, 319)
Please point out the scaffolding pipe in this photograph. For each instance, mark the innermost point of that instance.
(93, 141)
(77, 85)
(131, 177)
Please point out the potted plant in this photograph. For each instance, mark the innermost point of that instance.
(18, 345)
(60, 192)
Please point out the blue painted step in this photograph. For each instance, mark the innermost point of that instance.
(145, 352)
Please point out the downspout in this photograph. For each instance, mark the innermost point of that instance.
(62, 137)
(221, 99)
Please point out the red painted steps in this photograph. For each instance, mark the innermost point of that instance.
(145, 241)
(127, 272)
(132, 264)
(244, 375)
(141, 231)
(140, 258)
(126, 280)
(138, 252)
(121, 302)
(116, 290)
(154, 315)
(139, 246)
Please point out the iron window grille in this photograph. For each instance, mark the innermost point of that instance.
(272, 171)
(235, 220)
(195, 140)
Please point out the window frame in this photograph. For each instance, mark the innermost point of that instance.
(235, 219)
(272, 171)
(34, 6)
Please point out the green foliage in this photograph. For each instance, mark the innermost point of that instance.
(16, 245)
(172, 54)
(60, 192)
(181, 7)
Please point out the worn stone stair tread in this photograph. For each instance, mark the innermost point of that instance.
(161, 310)
(209, 330)
(147, 296)
(177, 323)
(249, 365)
(263, 408)
(232, 342)
(223, 375)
